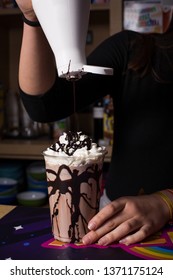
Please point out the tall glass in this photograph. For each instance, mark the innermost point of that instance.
(74, 194)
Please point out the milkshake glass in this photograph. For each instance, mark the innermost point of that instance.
(74, 174)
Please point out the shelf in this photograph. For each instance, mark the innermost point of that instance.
(23, 149)
(29, 149)
(10, 11)
(100, 7)
(16, 19)
(16, 11)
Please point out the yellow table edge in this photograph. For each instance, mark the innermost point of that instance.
(5, 209)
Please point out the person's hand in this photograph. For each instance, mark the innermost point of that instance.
(27, 9)
(128, 220)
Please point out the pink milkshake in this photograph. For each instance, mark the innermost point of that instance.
(74, 173)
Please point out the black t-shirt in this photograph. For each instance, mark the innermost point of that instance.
(142, 157)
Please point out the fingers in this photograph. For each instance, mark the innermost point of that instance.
(105, 214)
(138, 236)
(107, 227)
(125, 220)
(122, 230)
(110, 232)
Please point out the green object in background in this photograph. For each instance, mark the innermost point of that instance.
(37, 171)
(31, 198)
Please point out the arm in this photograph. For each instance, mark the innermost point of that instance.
(39, 75)
(37, 67)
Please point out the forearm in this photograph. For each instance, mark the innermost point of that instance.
(37, 66)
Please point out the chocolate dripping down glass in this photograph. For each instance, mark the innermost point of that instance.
(65, 24)
(74, 176)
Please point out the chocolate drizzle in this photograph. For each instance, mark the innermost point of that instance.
(74, 141)
(72, 187)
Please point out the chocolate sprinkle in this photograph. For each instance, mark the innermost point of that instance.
(74, 143)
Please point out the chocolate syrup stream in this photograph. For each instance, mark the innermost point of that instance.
(74, 97)
(74, 124)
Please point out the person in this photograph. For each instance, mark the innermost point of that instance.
(139, 187)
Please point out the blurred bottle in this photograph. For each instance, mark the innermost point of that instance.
(108, 122)
(98, 112)
(28, 128)
(59, 127)
(11, 114)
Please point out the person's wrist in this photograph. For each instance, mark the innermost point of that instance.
(30, 20)
(167, 202)
(30, 15)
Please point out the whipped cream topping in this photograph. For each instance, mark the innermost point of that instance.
(75, 148)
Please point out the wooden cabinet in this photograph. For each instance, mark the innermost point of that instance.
(10, 41)
(105, 19)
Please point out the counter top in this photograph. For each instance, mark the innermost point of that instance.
(5, 209)
(25, 233)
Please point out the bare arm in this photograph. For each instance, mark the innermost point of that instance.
(37, 66)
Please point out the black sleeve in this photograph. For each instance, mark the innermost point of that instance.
(58, 102)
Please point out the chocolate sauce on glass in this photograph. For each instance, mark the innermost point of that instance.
(72, 186)
(74, 189)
